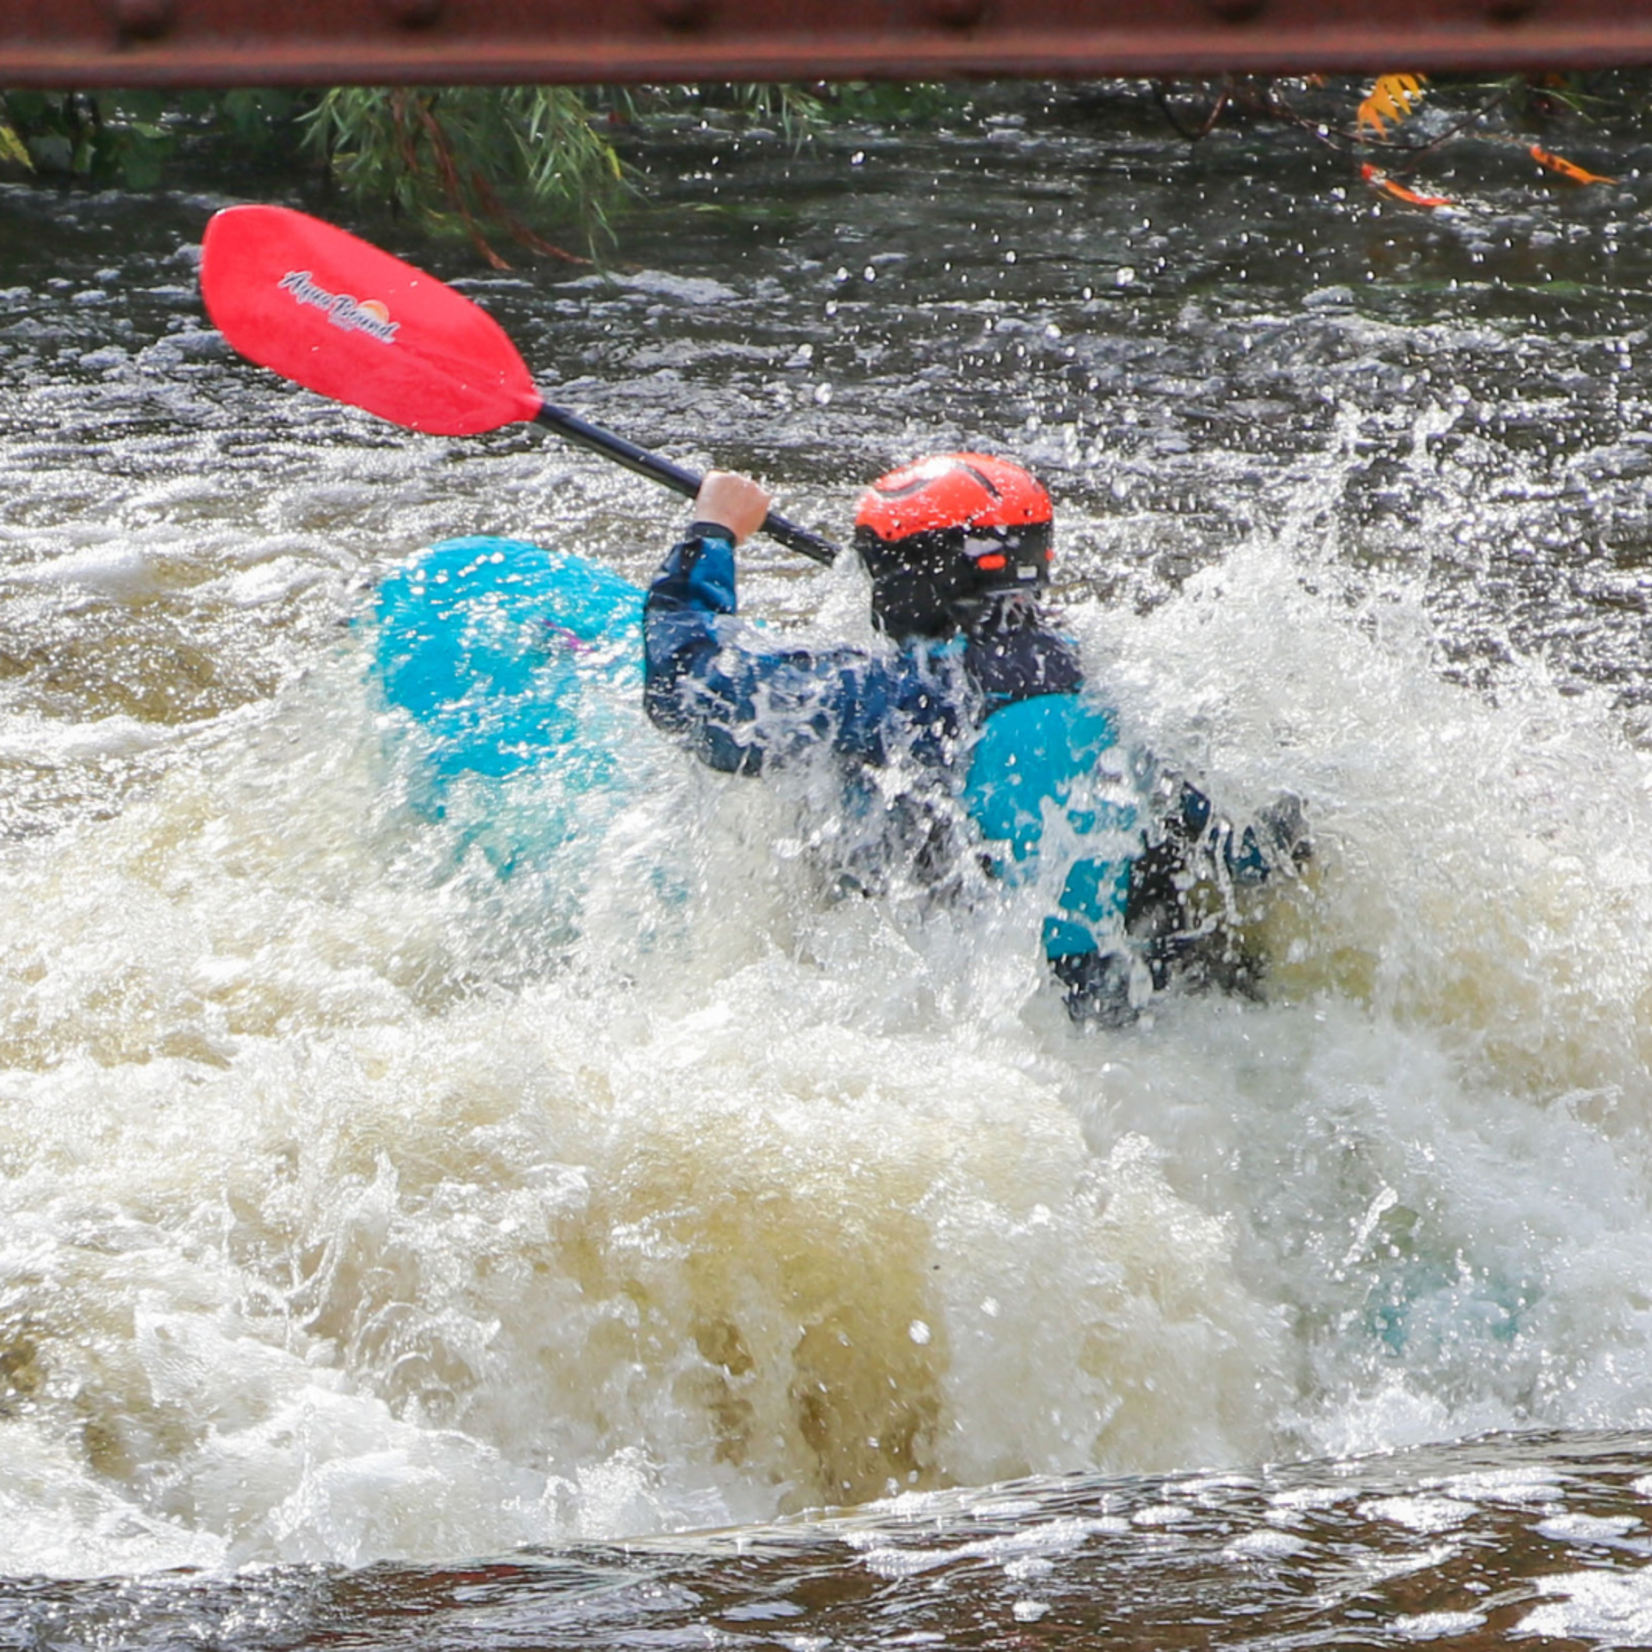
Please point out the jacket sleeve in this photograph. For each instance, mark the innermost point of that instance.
(741, 703)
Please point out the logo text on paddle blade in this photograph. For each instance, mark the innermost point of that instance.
(354, 315)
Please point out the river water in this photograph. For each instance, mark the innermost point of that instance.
(660, 1251)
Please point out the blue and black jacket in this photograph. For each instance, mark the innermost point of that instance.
(999, 717)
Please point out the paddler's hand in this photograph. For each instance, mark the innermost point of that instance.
(731, 501)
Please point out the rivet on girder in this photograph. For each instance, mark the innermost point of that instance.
(1508, 11)
(412, 14)
(144, 19)
(957, 14)
(1235, 11)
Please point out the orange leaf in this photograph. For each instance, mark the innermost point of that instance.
(1378, 179)
(1390, 101)
(1566, 168)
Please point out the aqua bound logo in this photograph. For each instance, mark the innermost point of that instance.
(366, 315)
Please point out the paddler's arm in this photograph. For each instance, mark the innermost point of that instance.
(693, 588)
(698, 576)
(740, 702)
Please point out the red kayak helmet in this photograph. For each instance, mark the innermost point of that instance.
(944, 536)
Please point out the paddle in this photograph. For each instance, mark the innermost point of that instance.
(341, 317)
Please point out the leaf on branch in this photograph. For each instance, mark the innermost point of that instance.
(1389, 102)
(1378, 179)
(1566, 168)
(12, 147)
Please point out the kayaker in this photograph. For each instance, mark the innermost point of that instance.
(980, 704)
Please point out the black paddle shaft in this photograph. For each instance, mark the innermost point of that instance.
(685, 482)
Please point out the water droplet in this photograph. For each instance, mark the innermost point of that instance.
(1124, 276)
(823, 394)
(919, 1332)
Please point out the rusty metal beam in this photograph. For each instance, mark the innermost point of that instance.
(83, 43)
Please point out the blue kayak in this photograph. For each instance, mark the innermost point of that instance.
(521, 668)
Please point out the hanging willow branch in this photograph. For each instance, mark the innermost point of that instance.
(484, 160)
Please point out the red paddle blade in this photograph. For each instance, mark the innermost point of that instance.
(326, 309)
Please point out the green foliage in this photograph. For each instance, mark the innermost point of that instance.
(479, 159)
(892, 103)
(129, 138)
(260, 121)
(113, 137)
(13, 150)
(487, 162)
(796, 111)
